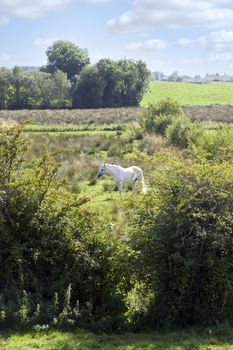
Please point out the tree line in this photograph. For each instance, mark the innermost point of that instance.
(69, 81)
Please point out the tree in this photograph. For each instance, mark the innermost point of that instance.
(61, 89)
(111, 84)
(67, 57)
(44, 92)
(108, 71)
(5, 87)
(89, 88)
(127, 85)
(52, 90)
(143, 80)
(22, 85)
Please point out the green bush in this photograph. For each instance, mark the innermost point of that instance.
(213, 143)
(177, 132)
(182, 242)
(158, 116)
(166, 106)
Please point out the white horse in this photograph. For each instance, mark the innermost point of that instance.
(121, 175)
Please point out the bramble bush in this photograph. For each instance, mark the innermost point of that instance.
(182, 241)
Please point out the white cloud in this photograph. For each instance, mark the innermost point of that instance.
(43, 44)
(220, 44)
(174, 14)
(225, 56)
(149, 45)
(218, 41)
(31, 9)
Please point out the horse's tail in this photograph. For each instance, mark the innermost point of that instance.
(144, 188)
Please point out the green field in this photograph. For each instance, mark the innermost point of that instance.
(190, 93)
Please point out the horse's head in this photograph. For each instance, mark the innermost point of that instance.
(102, 170)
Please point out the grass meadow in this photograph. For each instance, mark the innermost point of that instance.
(80, 141)
(190, 93)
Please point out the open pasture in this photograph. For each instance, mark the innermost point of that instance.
(190, 93)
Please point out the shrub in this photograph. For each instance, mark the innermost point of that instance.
(166, 106)
(177, 132)
(212, 143)
(158, 116)
(182, 243)
(108, 186)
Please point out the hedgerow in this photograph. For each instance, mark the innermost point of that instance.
(182, 240)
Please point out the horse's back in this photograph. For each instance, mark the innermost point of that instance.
(136, 169)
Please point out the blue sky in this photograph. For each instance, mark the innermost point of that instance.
(190, 36)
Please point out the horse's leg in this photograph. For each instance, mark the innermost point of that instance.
(134, 185)
(120, 187)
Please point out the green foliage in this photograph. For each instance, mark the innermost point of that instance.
(55, 262)
(160, 115)
(67, 57)
(177, 133)
(21, 90)
(88, 91)
(166, 106)
(110, 84)
(182, 241)
(216, 144)
(5, 87)
(68, 80)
